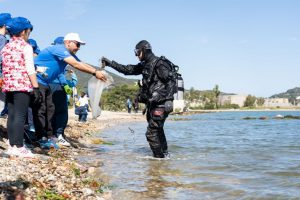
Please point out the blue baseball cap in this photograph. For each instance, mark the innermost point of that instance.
(34, 45)
(4, 18)
(18, 24)
(58, 40)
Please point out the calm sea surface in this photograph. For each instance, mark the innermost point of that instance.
(213, 156)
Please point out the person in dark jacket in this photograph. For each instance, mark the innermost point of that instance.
(156, 92)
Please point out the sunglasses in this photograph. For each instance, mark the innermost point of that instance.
(77, 44)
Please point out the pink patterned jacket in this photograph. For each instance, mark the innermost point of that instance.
(15, 76)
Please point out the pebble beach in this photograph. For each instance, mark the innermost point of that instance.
(58, 174)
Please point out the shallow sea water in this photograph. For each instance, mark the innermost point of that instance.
(213, 156)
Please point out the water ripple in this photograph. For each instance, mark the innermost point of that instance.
(213, 156)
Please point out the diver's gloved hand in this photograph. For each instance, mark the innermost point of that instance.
(68, 89)
(36, 96)
(106, 61)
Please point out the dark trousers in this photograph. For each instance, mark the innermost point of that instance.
(82, 118)
(81, 111)
(18, 103)
(43, 113)
(156, 117)
(129, 109)
(60, 117)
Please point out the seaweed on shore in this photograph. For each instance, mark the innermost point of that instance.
(249, 118)
(291, 117)
(276, 117)
(179, 119)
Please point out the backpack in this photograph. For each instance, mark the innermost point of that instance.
(174, 74)
(173, 86)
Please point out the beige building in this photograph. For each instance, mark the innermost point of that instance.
(298, 101)
(238, 99)
(277, 102)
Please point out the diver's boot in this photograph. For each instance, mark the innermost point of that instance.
(158, 154)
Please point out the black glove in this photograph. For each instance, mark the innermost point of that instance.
(36, 96)
(105, 61)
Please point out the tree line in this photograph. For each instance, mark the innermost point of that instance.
(114, 99)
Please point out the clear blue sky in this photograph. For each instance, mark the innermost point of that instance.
(244, 46)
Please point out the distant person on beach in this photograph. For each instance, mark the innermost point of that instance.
(128, 105)
(19, 82)
(156, 92)
(82, 106)
(53, 60)
(135, 105)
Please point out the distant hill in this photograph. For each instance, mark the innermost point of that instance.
(291, 94)
(118, 80)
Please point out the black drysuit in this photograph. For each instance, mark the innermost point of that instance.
(155, 92)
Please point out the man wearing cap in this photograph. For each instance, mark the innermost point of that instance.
(60, 88)
(54, 60)
(4, 18)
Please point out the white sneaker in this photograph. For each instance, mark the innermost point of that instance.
(10, 150)
(62, 141)
(21, 152)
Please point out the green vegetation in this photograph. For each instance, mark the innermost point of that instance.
(51, 195)
(250, 101)
(198, 96)
(260, 101)
(83, 79)
(76, 171)
(115, 98)
(217, 93)
(291, 94)
(230, 106)
(207, 98)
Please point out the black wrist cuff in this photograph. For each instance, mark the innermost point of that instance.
(94, 74)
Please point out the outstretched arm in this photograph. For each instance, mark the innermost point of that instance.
(85, 68)
(124, 69)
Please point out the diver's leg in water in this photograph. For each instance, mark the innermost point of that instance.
(154, 133)
(163, 140)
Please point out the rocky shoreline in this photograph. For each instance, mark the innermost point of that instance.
(58, 174)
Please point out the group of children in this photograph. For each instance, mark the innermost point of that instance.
(37, 79)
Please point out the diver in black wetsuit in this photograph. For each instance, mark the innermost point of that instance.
(157, 90)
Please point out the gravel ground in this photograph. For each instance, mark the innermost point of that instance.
(56, 174)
